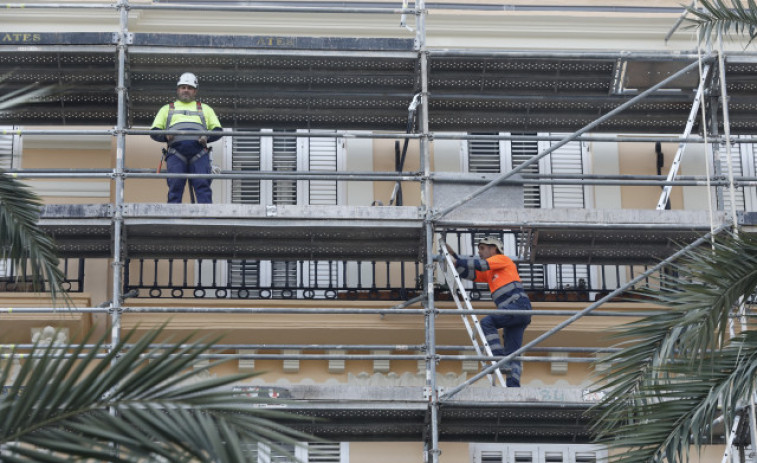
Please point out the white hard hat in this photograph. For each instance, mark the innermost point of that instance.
(493, 242)
(188, 79)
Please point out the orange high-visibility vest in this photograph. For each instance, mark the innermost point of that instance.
(502, 270)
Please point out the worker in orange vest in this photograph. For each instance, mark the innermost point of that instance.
(493, 267)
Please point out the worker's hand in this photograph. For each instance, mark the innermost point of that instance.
(203, 140)
(450, 250)
(169, 139)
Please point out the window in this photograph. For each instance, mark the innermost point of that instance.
(541, 453)
(282, 152)
(311, 452)
(493, 156)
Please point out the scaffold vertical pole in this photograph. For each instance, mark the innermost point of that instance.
(117, 263)
(431, 441)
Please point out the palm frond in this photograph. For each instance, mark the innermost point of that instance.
(30, 250)
(683, 354)
(718, 17)
(669, 416)
(142, 402)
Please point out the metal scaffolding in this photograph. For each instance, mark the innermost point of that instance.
(413, 60)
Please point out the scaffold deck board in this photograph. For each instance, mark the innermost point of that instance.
(234, 231)
(479, 414)
(360, 84)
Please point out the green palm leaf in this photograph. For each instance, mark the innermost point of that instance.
(135, 403)
(680, 369)
(21, 240)
(718, 17)
(30, 251)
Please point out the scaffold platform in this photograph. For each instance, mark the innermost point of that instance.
(236, 231)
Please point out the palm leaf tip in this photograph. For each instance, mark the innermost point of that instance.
(89, 411)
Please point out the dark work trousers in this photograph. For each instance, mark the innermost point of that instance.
(512, 327)
(176, 165)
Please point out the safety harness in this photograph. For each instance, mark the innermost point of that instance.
(185, 125)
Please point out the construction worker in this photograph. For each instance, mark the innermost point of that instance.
(493, 267)
(187, 154)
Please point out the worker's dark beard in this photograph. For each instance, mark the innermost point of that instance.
(185, 97)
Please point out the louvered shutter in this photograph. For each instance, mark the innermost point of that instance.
(585, 457)
(492, 456)
(6, 149)
(568, 159)
(522, 456)
(284, 159)
(283, 454)
(484, 155)
(553, 456)
(520, 152)
(326, 452)
(737, 165)
(245, 157)
(322, 157)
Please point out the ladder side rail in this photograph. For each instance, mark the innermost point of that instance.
(466, 322)
(468, 306)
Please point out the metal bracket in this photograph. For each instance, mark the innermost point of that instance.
(128, 38)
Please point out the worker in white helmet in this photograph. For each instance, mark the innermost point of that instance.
(493, 267)
(187, 154)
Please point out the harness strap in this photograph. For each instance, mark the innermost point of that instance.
(185, 112)
(192, 160)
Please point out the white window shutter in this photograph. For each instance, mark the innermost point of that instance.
(327, 452)
(323, 156)
(284, 158)
(491, 456)
(484, 155)
(246, 157)
(520, 152)
(568, 159)
(6, 149)
(521, 455)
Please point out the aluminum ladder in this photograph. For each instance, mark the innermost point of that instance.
(470, 320)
